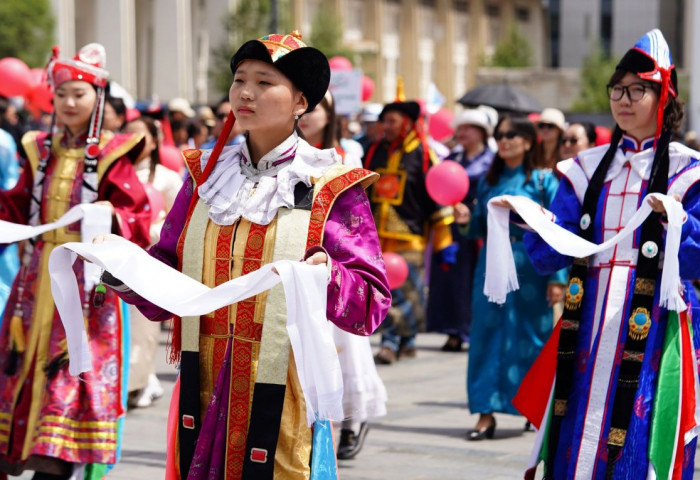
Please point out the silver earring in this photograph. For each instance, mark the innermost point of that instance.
(296, 117)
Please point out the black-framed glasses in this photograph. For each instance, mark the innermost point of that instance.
(635, 91)
(546, 126)
(510, 135)
(571, 140)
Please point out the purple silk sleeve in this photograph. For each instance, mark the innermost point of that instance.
(358, 291)
(165, 251)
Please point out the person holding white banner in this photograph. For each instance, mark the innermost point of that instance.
(615, 392)
(240, 410)
(50, 421)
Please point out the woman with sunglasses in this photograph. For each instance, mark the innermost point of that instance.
(577, 137)
(614, 413)
(550, 128)
(505, 340)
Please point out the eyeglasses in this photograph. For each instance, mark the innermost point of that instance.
(546, 126)
(221, 116)
(571, 140)
(510, 135)
(635, 92)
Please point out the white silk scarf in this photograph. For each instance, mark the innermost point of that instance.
(305, 290)
(501, 276)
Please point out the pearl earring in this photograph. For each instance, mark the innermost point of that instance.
(296, 117)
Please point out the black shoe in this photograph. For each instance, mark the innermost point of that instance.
(453, 344)
(529, 427)
(350, 443)
(483, 433)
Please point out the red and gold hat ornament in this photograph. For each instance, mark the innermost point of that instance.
(88, 65)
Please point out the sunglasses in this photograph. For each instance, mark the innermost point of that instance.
(546, 126)
(571, 140)
(221, 116)
(510, 135)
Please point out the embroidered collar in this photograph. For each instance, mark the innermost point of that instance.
(632, 145)
(272, 162)
(235, 188)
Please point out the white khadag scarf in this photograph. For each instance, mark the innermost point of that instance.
(305, 288)
(501, 276)
(236, 188)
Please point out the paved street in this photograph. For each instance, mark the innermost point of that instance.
(422, 437)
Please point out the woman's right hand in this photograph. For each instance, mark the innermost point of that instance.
(462, 214)
(107, 237)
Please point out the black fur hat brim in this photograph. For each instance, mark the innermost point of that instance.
(307, 68)
(410, 109)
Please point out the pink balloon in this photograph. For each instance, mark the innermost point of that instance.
(367, 88)
(340, 63)
(132, 114)
(155, 200)
(447, 183)
(440, 125)
(171, 157)
(40, 97)
(396, 269)
(16, 77)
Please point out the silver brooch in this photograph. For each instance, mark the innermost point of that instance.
(650, 249)
(585, 222)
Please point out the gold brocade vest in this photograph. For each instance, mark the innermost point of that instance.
(253, 331)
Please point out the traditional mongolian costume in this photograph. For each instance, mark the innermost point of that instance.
(9, 173)
(406, 217)
(506, 339)
(625, 396)
(241, 412)
(45, 413)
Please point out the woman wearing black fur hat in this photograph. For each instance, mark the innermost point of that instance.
(240, 411)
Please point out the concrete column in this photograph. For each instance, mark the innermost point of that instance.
(444, 42)
(372, 63)
(478, 32)
(172, 33)
(64, 12)
(694, 63)
(409, 68)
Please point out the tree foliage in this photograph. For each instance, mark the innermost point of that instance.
(26, 30)
(251, 19)
(513, 50)
(595, 73)
(327, 33)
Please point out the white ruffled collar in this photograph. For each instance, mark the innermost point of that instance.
(236, 188)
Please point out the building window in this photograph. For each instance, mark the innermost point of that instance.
(493, 10)
(461, 5)
(522, 14)
(428, 3)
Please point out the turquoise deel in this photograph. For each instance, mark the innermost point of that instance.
(506, 339)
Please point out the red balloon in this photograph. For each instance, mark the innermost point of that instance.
(396, 269)
(40, 96)
(340, 63)
(447, 183)
(37, 75)
(16, 77)
(171, 157)
(603, 135)
(440, 125)
(367, 88)
(155, 200)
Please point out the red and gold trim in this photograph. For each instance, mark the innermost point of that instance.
(193, 162)
(325, 195)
